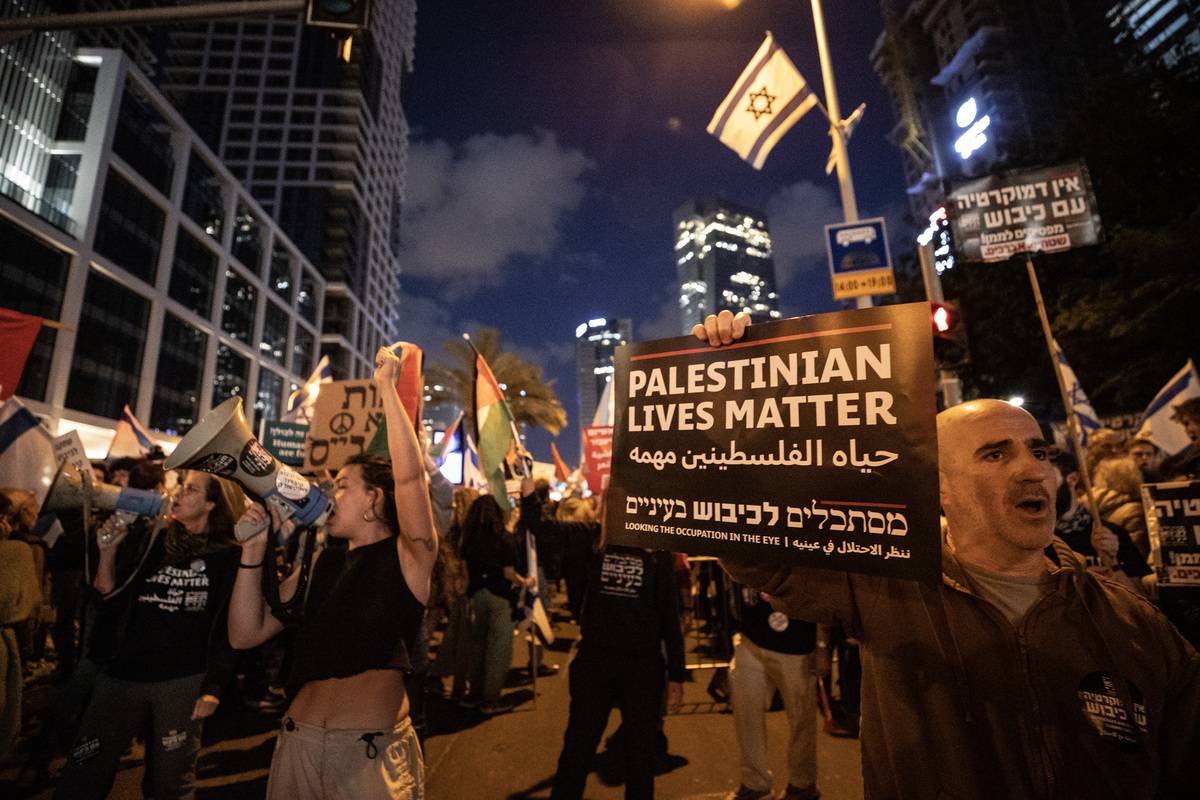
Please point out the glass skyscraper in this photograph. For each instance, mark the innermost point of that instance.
(723, 259)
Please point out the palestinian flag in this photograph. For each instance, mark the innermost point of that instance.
(411, 388)
(493, 430)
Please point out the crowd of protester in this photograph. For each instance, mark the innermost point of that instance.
(154, 623)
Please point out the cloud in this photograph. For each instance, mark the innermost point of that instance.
(428, 323)
(470, 210)
(664, 324)
(547, 355)
(797, 215)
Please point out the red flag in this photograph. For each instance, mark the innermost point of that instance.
(561, 470)
(410, 384)
(17, 334)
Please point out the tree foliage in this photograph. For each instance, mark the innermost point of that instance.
(1126, 312)
(530, 395)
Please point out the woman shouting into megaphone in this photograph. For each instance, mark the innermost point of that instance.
(347, 731)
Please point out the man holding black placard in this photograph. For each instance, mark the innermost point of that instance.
(1016, 675)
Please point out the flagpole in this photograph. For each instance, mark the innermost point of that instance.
(841, 158)
(1072, 418)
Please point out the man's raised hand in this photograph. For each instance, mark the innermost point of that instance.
(723, 328)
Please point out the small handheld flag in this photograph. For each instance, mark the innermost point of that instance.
(1089, 420)
(769, 97)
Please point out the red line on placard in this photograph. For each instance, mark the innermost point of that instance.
(792, 338)
(864, 505)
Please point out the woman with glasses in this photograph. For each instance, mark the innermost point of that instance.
(347, 732)
(164, 596)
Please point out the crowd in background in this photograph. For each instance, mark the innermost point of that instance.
(66, 617)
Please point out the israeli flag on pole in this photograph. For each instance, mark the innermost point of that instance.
(1089, 420)
(769, 98)
(1156, 424)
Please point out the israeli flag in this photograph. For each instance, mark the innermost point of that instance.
(1089, 420)
(1156, 424)
(769, 97)
(534, 611)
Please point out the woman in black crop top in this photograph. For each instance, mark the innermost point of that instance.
(347, 731)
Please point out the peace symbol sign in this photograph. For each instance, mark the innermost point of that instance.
(342, 423)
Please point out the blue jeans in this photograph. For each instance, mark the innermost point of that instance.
(491, 644)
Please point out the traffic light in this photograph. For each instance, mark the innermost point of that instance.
(949, 334)
(344, 14)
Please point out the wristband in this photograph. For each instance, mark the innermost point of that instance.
(250, 566)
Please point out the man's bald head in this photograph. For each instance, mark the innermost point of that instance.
(972, 415)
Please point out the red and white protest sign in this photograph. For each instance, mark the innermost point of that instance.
(597, 455)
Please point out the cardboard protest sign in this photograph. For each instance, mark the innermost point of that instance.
(810, 441)
(286, 441)
(69, 448)
(597, 455)
(1173, 522)
(346, 415)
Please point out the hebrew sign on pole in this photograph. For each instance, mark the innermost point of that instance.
(346, 415)
(999, 216)
(810, 441)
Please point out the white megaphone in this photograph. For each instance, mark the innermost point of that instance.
(72, 489)
(221, 444)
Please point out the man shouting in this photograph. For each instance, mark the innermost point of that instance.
(1017, 675)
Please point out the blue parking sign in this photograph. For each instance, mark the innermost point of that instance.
(860, 261)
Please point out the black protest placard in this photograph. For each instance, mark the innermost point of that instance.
(810, 441)
(1173, 522)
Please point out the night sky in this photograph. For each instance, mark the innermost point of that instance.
(552, 140)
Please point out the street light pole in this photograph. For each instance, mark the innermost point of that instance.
(840, 157)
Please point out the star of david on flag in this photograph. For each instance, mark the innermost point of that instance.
(768, 98)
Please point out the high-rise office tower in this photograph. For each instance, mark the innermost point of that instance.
(595, 341)
(314, 127)
(723, 260)
(117, 228)
(1164, 30)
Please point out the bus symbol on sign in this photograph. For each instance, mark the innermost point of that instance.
(849, 236)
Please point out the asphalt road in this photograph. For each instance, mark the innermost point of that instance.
(510, 755)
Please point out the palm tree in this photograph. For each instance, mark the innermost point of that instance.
(530, 396)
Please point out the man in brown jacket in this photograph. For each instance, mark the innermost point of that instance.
(1016, 675)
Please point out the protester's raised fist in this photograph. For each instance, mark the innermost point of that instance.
(387, 366)
(723, 328)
